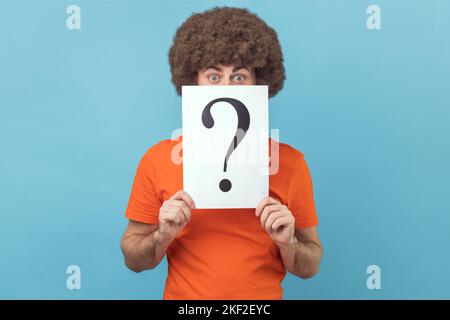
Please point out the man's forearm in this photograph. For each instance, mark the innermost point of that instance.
(144, 252)
(301, 258)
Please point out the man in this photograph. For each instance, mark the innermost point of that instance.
(232, 253)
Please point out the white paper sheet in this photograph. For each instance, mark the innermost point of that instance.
(242, 180)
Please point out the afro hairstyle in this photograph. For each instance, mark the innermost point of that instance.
(228, 36)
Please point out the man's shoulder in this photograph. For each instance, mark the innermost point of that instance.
(287, 151)
(163, 150)
(163, 145)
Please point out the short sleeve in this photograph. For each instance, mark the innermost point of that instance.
(300, 195)
(144, 203)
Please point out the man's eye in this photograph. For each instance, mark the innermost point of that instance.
(214, 77)
(239, 77)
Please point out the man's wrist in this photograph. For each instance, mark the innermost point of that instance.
(160, 239)
(292, 243)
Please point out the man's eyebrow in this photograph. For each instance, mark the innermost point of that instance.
(219, 69)
(215, 68)
(240, 67)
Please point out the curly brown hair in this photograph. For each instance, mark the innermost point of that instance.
(228, 36)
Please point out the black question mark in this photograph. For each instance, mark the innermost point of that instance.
(242, 126)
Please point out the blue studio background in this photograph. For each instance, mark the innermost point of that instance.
(368, 108)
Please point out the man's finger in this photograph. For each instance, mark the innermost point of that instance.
(267, 211)
(180, 211)
(263, 203)
(282, 221)
(182, 204)
(183, 195)
(272, 217)
(173, 216)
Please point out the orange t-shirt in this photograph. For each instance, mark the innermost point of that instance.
(221, 253)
